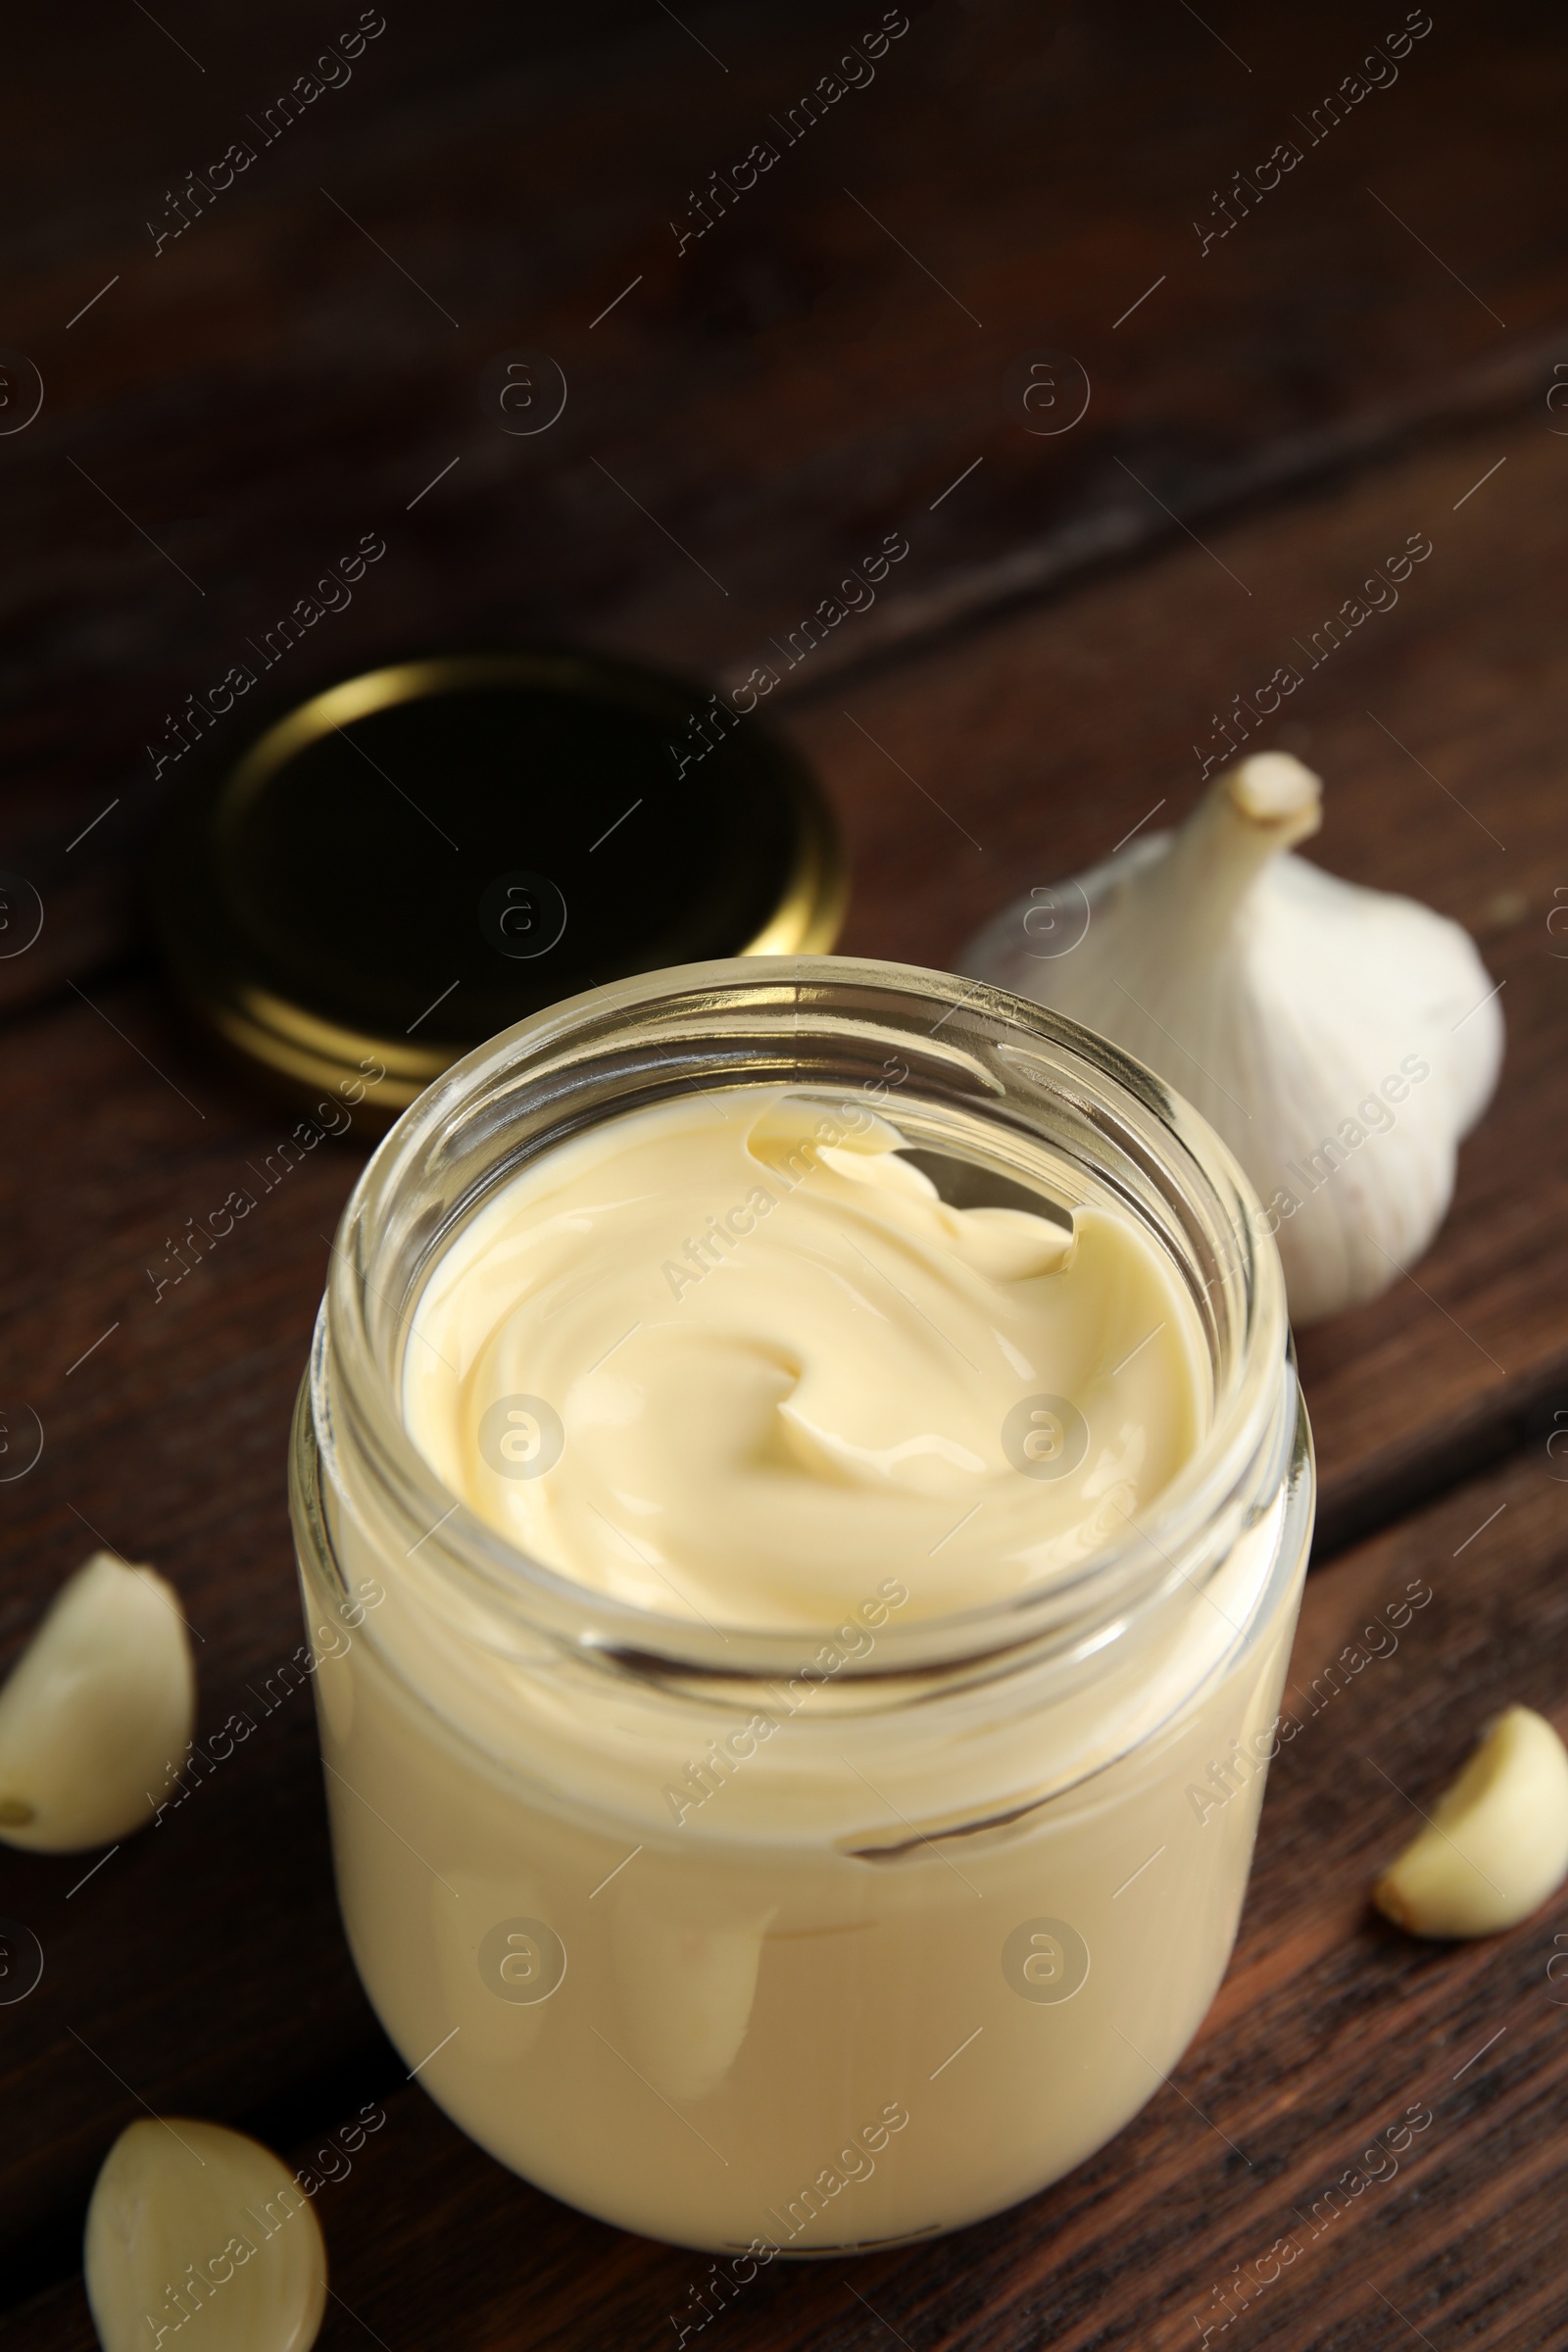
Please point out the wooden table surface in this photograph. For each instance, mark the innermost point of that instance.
(1368, 354)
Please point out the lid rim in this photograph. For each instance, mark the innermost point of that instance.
(303, 1048)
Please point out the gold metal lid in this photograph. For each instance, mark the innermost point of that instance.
(420, 857)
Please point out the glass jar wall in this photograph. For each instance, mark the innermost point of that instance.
(755, 1939)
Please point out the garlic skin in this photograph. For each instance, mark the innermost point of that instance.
(99, 1703)
(1339, 1040)
(192, 2223)
(1497, 1843)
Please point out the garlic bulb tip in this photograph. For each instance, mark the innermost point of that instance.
(1274, 788)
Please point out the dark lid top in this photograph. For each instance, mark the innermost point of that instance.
(420, 857)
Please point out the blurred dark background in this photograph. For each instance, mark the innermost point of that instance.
(816, 367)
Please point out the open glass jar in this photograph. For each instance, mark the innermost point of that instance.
(950, 1922)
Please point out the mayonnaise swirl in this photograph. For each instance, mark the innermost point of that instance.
(734, 1359)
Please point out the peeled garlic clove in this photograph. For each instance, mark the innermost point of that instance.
(1497, 1844)
(191, 2221)
(1339, 1040)
(99, 1706)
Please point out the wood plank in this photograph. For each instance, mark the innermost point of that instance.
(1330, 2028)
(816, 369)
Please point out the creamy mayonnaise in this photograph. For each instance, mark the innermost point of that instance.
(734, 1357)
(849, 1952)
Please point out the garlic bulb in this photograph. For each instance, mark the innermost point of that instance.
(191, 2221)
(1339, 1040)
(100, 1700)
(1497, 1843)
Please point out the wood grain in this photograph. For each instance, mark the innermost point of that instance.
(166, 1417)
(165, 1442)
(236, 406)
(1438, 729)
(1329, 2028)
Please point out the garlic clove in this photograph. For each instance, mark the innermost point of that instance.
(98, 1706)
(1339, 1040)
(189, 2221)
(1497, 1843)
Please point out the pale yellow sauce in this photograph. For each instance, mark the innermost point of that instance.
(767, 1366)
(798, 1959)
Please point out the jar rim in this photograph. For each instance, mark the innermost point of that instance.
(995, 1052)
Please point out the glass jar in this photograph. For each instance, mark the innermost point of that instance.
(957, 1891)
